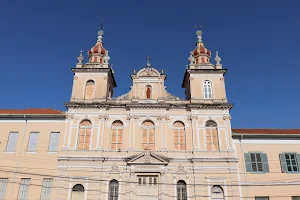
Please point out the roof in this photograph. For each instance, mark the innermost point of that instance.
(265, 131)
(31, 111)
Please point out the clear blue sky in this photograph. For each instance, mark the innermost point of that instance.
(257, 40)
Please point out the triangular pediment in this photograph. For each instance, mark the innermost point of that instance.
(148, 158)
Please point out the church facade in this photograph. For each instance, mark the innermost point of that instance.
(146, 144)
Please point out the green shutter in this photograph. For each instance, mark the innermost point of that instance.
(264, 158)
(298, 160)
(283, 162)
(248, 162)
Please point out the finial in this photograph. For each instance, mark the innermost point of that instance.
(100, 31)
(80, 58)
(162, 71)
(199, 32)
(106, 58)
(191, 58)
(148, 61)
(134, 72)
(217, 59)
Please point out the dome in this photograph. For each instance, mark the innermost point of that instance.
(201, 54)
(97, 53)
(201, 50)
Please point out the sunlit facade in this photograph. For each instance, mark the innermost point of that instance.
(146, 144)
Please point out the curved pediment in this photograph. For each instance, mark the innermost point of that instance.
(148, 71)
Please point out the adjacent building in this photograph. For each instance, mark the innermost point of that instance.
(146, 144)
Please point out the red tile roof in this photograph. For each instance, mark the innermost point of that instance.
(31, 111)
(265, 131)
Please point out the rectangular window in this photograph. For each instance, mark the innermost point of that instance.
(256, 162)
(33, 141)
(54, 139)
(262, 198)
(24, 189)
(296, 198)
(147, 180)
(290, 162)
(12, 141)
(46, 189)
(3, 185)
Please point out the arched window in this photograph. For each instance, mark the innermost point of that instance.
(113, 190)
(212, 139)
(89, 90)
(84, 136)
(116, 135)
(181, 190)
(217, 193)
(148, 135)
(77, 192)
(148, 92)
(207, 90)
(179, 135)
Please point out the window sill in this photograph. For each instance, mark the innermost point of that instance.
(9, 151)
(52, 152)
(31, 152)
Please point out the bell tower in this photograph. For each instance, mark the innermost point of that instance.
(204, 81)
(93, 81)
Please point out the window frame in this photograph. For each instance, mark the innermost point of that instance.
(25, 188)
(34, 148)
(265, 164)
(181, 190)
(207, 89)
(9, 143)
(113, 194)
(262, 197)
(177, 133)
(3, 187)
(85, 89)
(296, 161)
(148, 130)
(85, 127)
(46, 190)
(57, 142)
(116, 128)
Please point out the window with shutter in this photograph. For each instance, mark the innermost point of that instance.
(289, 162)
(33, 141)
(12, 141)
(46, 189)
(296, 198)
(53, 144)
(179, 136)
(212, 138)
(84, 135)
(148, 138)
(3, 186)
(116, 135)
(256, 162)
(24, 189)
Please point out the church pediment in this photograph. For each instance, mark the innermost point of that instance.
(148, 71)
(148, 158)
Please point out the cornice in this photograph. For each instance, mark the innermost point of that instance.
(187, 106)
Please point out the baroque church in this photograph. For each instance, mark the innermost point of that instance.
(146, 144)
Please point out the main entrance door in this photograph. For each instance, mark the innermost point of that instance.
(147, 187)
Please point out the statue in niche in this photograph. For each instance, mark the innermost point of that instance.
(148, 92)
